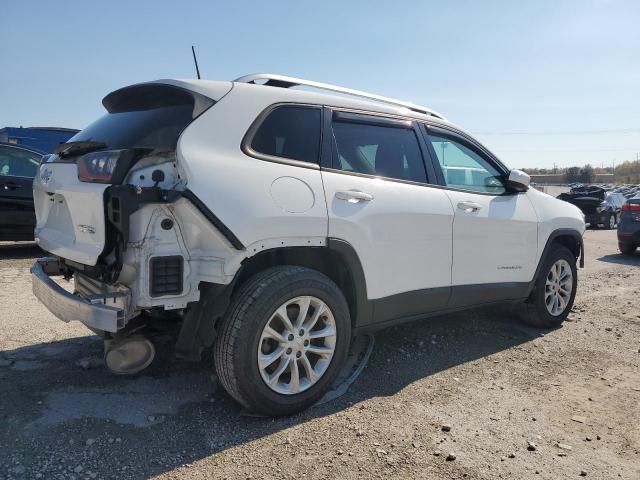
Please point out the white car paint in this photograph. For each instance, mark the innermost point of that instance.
(402, 235)
(69, 213)
(408, 237)
(495, 241)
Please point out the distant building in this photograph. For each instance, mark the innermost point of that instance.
(548, 179)
(41, 138)
(559, 178)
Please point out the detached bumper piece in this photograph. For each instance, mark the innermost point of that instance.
(69, 307)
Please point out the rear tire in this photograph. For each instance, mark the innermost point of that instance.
(265, 343)
(551, 300)
(612, 222)
(627, 249)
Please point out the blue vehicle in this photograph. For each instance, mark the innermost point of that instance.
(629, 226)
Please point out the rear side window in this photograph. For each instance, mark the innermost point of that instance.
(379, 150)
(290, 132)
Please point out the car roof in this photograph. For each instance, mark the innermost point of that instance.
(22, 147)
(215, 90)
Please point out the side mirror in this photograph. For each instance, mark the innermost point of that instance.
(518, 181)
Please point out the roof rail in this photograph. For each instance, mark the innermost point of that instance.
(288, 82)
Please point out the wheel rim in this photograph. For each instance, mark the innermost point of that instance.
(297, 345)
(612, 221)
(558, 287)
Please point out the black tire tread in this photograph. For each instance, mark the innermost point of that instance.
(240, 320)
(530, 311)
(233, 324)
(627, 249)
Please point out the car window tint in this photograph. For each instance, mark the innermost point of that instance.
(290, 132)
(144, 116)
(16, 162)
(377, 150)
(465, 169)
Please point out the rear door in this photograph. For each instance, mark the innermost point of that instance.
(495, 232)
(18, 166)
(380, 201)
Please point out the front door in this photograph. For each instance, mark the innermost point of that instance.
(379, 200)
(494, 232)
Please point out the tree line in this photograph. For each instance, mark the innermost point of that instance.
(626, 172)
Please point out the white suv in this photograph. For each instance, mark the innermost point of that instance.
(275, 223)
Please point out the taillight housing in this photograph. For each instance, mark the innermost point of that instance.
(631, 207)
(98, 167)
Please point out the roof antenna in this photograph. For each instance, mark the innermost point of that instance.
(195, 60)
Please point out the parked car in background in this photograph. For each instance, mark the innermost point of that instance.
(600, 208)
(43, 139)
(18, 166)
(629, 226)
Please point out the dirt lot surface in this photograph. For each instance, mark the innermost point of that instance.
(475, 386)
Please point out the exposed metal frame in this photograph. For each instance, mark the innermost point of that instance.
(284, 81)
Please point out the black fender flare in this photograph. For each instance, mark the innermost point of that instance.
(364, 310)
(560, 232)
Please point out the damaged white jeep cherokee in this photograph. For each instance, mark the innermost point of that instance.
(275, 223)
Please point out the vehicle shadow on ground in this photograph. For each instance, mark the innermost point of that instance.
(56, 397)
(620, 259)
(19, 250)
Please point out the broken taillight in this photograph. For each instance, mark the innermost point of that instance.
(98, 167)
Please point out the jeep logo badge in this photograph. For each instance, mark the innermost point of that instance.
(46, 174)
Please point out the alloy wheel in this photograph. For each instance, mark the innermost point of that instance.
(558, 287)
(297, 345)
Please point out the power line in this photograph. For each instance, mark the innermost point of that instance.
(547, 150)
(574, 132)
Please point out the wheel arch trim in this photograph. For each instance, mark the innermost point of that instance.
(553, 237)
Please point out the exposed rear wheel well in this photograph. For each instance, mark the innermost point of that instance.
(322, 259)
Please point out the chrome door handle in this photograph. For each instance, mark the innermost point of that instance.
(354, 196)
(469, 207)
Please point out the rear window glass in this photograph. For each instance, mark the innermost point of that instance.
(142, 117)
(290, 132)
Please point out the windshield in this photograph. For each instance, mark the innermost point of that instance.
(144, 116)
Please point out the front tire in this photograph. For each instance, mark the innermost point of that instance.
(283, 340)
(627, 249)
(554, 291)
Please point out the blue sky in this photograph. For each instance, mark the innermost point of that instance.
(539, 82)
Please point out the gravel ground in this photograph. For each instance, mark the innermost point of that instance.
(473, 395)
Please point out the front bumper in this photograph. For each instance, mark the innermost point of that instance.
(69, 307)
